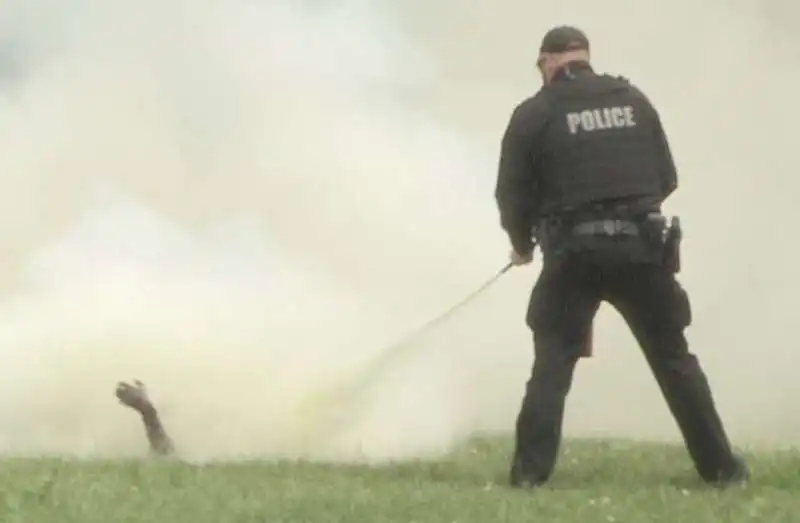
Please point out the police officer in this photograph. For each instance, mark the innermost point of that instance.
(584, 168)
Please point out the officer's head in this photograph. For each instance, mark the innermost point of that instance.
(561, 45)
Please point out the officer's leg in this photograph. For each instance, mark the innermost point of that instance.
(657, 309)
(560, 314)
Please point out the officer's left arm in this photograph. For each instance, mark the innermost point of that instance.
(517, 179)
(666, 163)
(669, 174)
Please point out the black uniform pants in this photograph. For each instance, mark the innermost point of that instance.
(656, 308)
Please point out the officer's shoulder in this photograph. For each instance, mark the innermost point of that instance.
(530, 115)
(625, 83)
(617, 80)
(537, 105)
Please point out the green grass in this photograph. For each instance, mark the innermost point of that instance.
(595, 482)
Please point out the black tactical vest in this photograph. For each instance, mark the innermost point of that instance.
(599, 144)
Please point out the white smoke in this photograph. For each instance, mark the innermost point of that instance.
(240, 203)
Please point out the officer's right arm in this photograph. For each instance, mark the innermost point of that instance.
(517, 177)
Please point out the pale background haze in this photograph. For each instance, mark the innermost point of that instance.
(239, 202)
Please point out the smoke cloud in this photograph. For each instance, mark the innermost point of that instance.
(244, 204)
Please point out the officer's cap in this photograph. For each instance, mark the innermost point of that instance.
(564, 38)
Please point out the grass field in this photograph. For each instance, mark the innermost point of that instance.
(596, 482)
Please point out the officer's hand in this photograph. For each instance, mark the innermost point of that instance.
(518, 259)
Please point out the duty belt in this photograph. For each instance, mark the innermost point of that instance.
(606, 228)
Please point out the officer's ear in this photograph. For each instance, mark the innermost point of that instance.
(543, 63)
(540, 64)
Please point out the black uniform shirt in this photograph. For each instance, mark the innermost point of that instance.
(545, 169)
